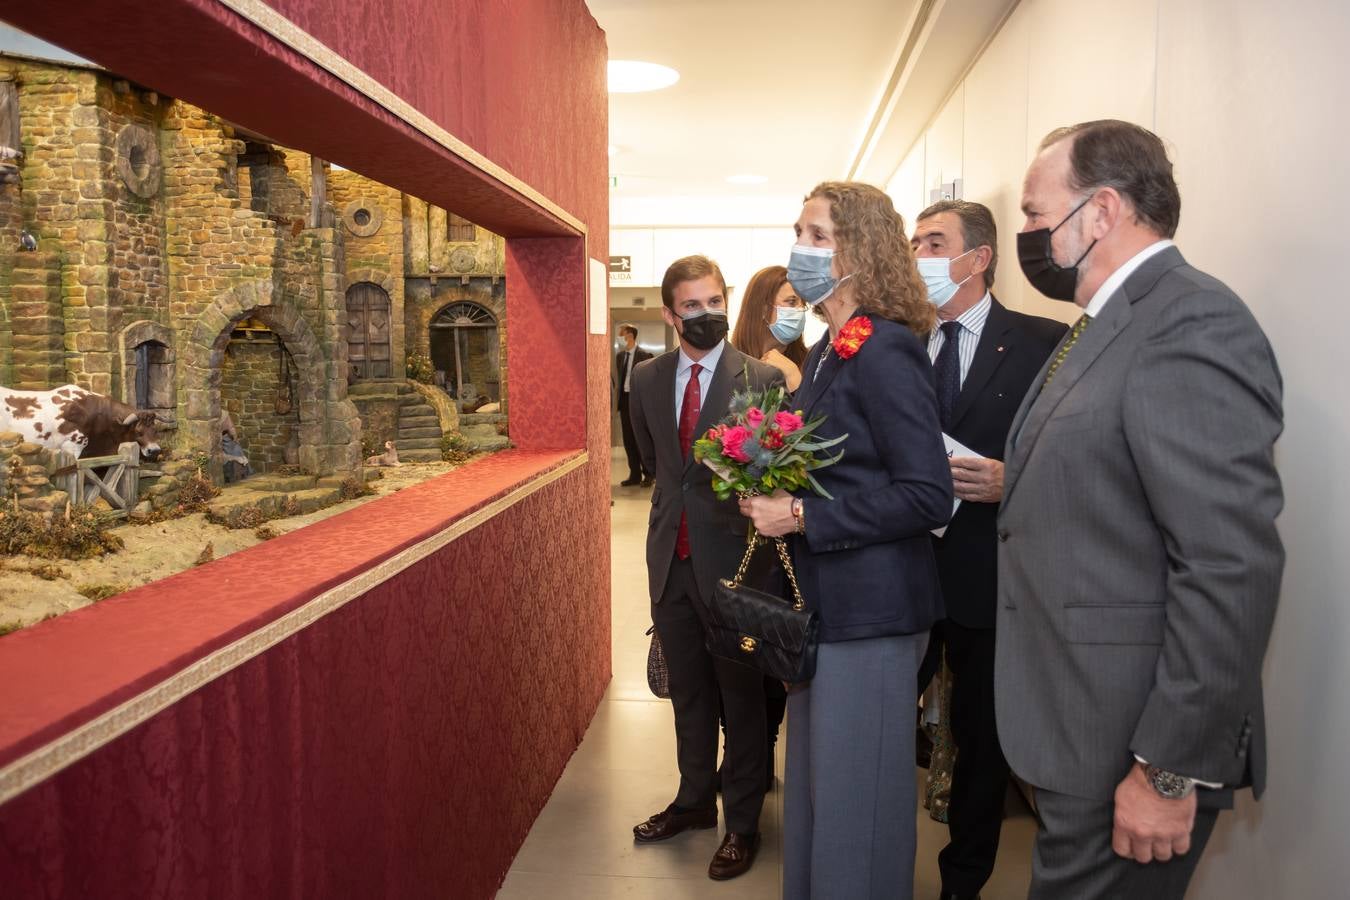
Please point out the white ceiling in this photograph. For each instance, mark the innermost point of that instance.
(781, 88)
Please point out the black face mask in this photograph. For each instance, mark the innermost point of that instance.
(705, 330)
(1038, 264)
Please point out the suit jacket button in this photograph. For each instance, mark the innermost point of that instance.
(1003, 535)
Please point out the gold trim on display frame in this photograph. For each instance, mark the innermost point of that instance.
(319, 53)
(51, 758)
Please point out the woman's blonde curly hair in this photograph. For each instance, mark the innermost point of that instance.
(872, 244)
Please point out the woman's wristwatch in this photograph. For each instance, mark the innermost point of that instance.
(799, 515)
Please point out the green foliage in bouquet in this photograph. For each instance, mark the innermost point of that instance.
(762, 446)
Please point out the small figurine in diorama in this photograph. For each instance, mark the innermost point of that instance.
(388, 458)
(237, 467)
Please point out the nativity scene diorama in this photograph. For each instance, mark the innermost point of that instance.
(198, 323)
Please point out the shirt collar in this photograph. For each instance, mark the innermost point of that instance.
(1118, 277)
(973, 319)
(709, 362)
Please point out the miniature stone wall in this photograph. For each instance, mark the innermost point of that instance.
(254, 392)
(36, 326)
(370, 220)
(163, 493)
(25, 473)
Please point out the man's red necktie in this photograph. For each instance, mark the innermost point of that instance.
(689, 412)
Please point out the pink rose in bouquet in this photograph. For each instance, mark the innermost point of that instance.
(733, 441)
(761, 447)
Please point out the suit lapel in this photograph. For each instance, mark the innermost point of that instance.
(1098, 335)
(729, 376)
(996, 343)
(1038, 407)
(813, 390)
(664, 385)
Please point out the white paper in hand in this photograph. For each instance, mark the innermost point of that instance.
(954, 448)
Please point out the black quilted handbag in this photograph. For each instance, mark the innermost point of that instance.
(758, 629)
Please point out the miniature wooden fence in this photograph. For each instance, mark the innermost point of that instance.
(120, 483)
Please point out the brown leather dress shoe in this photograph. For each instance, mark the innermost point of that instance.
(734, 857)
(670, 822)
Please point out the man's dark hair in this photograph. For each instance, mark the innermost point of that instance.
(977, 229)
(1131, 159)
(625, 328)
(689, 268)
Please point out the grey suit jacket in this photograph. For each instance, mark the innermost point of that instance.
(717, 530)
(1139, 565)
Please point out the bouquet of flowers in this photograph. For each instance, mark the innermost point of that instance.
(763, 446)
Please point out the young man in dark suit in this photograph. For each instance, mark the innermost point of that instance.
(625, 362)
(986, 358)
(694, 539)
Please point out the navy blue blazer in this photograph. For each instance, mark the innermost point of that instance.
(866, 560)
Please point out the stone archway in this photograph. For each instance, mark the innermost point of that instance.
(329, 426)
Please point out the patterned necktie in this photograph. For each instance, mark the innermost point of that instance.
(948, 366)
(689, 411)
(1078, 328)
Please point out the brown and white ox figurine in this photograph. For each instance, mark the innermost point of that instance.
(72, 419)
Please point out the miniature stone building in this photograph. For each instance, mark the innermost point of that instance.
(188, 266)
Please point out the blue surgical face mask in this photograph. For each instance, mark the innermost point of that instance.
(808, 271)
(936, 272)
(789, 325)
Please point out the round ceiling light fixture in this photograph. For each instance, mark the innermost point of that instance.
(746, 179)
(628, 76)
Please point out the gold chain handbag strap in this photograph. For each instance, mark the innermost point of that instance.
(753, 542)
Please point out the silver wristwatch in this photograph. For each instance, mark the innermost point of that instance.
(1169, 784)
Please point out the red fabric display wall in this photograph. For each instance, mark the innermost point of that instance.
(401, 744)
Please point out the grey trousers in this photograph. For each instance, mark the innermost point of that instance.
(1073, 859)
(850, 791)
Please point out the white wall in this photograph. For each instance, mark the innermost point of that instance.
(740, 252)
(1247, 94)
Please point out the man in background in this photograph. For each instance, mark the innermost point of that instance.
(986, 357)
(624, 363)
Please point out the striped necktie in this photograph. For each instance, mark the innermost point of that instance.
(1078, 328)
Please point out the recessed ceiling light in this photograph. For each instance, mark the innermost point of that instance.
(746, 179)
(627, 76)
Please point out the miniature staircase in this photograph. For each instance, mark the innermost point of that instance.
(419, 430)
(481, 432)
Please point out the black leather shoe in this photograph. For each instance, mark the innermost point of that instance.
(734, 857)
(670, 822)
(948, 895)
(630, 482)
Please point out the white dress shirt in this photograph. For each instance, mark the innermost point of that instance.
(1117, 278)
(628, 370)
(709, 364)
(972, 326)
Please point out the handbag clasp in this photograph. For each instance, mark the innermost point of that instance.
(748, 644)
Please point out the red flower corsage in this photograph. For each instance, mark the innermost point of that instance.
(852, 336)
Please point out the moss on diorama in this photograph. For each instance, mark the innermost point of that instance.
(79, 534)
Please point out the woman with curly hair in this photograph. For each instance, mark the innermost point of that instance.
(769, 327)
(864, 559)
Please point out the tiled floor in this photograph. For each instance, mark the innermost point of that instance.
(581, 846)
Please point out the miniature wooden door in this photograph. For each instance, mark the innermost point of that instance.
(368, 331)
